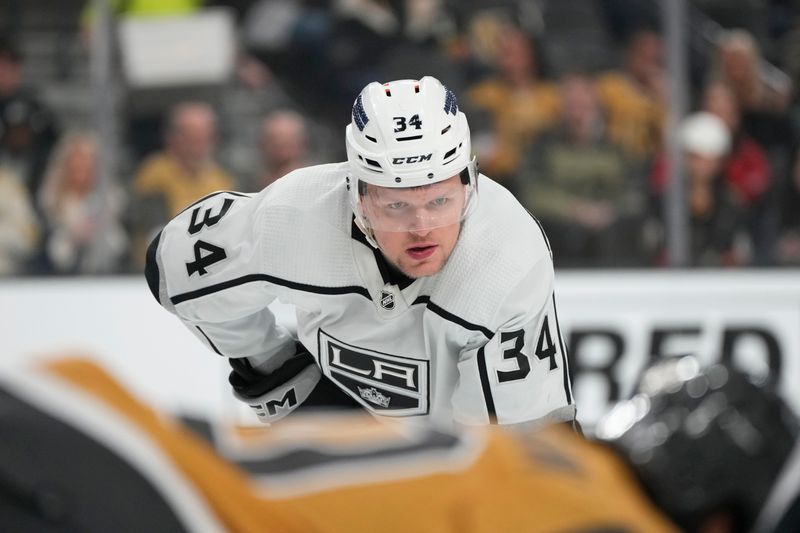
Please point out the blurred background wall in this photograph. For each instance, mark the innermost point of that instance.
(656, 142)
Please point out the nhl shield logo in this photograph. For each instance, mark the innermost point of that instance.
(387, 300)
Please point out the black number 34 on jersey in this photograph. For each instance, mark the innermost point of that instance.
(205, 253)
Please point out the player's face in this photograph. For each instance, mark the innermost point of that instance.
(419, 253)
(430, 218)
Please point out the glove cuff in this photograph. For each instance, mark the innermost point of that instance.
(278, 394)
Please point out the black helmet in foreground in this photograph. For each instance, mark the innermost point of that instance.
(702, 439)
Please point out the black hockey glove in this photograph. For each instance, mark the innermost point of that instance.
(277, 394)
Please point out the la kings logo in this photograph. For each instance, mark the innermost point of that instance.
(387, 384)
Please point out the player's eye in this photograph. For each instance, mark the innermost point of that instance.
(396, 206)
(440, 201)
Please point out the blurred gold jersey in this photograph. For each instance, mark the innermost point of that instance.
(345, 472)
(161, 174)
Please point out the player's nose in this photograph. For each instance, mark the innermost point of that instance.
(419, 230)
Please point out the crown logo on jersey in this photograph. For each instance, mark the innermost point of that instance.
(373, 395)
(387, 300)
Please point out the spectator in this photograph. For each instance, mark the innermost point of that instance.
(84, 231)
(19, 228)
(739, 64)
(764, 94)
(27, 127)
(284, 145)
(519, 104)
(635, 96)
(717, 220)
(747, 171)
(180, 174)
(582, 186)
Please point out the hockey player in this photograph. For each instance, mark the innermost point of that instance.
(698, 449)
(421, 287)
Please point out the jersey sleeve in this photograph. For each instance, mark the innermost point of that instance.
(521, 374)
(205, 267)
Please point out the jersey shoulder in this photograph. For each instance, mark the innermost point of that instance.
(296, 231)
(502, 248)
(304, 226)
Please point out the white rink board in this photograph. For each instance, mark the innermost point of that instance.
(610, 320)
(757, 312)
(117, 322)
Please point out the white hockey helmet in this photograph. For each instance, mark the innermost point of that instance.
(409, 134)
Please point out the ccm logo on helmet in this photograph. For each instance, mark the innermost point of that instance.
(411, 159)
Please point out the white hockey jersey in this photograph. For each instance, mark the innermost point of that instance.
(478, 342)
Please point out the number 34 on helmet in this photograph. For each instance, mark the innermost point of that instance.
(409, 153)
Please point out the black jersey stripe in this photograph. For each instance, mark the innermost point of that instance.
(486, 386)
(200, 427)
(206, 197)
(451, 317)
(564, 358)
(288, 464)
(210, 342)
(191, 295)
(388, 272)
(151, 272)
(541, 228)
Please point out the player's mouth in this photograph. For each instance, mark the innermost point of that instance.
(421, 251)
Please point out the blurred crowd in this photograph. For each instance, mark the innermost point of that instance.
(579, 140)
